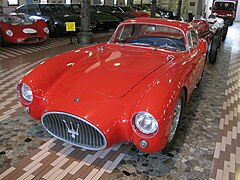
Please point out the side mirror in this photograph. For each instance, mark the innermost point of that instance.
(210, 8)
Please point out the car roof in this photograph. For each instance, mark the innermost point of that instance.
(159, 21)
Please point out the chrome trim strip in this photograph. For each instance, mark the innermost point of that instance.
(63, 113)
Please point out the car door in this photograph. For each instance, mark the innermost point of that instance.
(196, 62)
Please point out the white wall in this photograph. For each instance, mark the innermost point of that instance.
(7, 9)
(208, 4)
(238, 12)
(193, 9)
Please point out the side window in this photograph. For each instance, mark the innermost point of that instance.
(32, 9)
(194, 39)
(189, 40)
(22, 9)
(124, 33)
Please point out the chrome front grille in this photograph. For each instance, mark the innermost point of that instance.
(74, 130)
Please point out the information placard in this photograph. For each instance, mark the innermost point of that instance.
(70, 26)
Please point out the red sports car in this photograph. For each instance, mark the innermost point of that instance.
(21, 30)
(132, 88)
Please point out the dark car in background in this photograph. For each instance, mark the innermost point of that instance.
(55, 15)
(103, 20)
(114, 11)
(160, 10)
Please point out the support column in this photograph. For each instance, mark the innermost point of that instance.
(85, 36)
(153, 10)
(179, 10)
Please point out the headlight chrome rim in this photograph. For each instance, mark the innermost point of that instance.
(9, 32)
(25, 94)
(138, 118)
(46, 30)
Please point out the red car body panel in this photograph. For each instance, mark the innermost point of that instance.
(139, 14)
(203, 29)
(38, 37)
(114, 82)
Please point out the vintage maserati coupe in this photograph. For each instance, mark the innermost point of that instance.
(19, 29)
(132, 88)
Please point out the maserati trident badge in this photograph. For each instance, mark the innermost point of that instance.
(76, 99)
(72, 131)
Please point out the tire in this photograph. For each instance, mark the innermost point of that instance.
(219, 34)
(179, 108)
(225, 30)
(53, 30)
(2, 42)
(213, 50)
(231, 22)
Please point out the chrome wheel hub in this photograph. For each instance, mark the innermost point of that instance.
(175, 121)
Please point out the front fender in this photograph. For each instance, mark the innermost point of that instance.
(159, 98)
(44, 78)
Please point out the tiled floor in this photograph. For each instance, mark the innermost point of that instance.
(57, 160)
(226, 160)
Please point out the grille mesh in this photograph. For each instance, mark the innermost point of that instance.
(74, 130)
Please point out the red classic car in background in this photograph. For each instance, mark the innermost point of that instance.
(132, 88)
(21, 30)
(214, 31)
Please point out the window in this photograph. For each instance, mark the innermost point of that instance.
(151, 35)
(68, 1)
(189, 40)
(33, 9)
(13, 2)
(192, 39)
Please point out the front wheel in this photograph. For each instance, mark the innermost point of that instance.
(2, 42)
(53, 30)
(177, 115)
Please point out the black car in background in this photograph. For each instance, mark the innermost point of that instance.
(103, 20)
(161, 11)
(55, 15)
(114, 11)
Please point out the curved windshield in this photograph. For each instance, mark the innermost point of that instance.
(127, 9)
(16, 19)
(149, 35)
(104, 9)
(228, 6)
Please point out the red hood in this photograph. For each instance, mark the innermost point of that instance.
(113, 71)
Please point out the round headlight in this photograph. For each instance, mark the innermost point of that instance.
(46, 30)
(26, 93)
(145, 122)
(9, 32)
